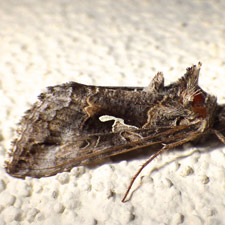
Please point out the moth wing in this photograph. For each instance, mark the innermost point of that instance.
(64, 130)
(65, 115)
(51, 159)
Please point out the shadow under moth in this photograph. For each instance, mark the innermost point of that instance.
(74, 124)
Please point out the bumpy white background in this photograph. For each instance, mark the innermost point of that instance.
(45, 43)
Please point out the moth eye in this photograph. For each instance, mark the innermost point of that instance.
(198, 105)
(199, 99)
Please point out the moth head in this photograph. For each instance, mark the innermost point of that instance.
(193, 97)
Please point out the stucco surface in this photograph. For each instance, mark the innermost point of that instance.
(45, 43)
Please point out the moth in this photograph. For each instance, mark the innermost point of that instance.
(75, 124)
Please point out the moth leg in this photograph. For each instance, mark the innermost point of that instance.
(165, 147)
(219, 136)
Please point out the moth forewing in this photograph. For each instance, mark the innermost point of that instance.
(85, 150)
(65, 129)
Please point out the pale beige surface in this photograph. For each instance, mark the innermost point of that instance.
(111, 43)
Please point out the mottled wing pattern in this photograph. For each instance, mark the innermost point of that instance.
(66, 128)
(64, 124)
(63, 129)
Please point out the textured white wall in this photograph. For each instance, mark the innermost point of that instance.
(45, 43)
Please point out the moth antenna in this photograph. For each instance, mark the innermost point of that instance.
(139, 171)
(165, 147)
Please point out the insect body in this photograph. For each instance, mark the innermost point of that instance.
(66, 127)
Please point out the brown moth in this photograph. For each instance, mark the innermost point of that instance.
(67, 126)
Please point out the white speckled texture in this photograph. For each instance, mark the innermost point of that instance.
(111, 43)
